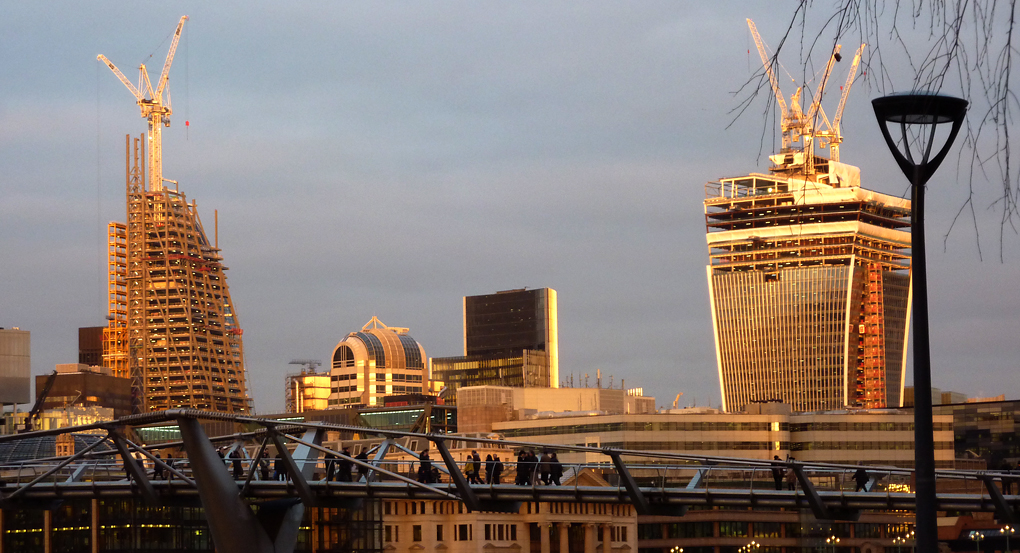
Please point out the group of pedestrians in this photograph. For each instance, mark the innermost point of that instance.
(341, 468)
(780, 473)
(531, 468)
(492, 467)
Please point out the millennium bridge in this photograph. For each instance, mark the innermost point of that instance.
(253, 514)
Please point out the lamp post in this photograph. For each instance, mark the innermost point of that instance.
(898, 542)
(976, 536)
(677, 549)
(1007, 530)
(917, 111)
(833, 541)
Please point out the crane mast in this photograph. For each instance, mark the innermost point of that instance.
(153, 106)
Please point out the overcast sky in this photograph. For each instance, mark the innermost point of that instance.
(384, 158)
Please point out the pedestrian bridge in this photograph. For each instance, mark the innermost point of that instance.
(111, 464)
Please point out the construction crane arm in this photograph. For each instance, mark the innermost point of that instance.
(169, 58)
(138, 94)
(816, 102)
(846, 88)
(768, 68)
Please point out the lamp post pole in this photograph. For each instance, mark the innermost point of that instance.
(911, 110)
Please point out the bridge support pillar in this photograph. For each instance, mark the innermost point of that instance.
(234, 526)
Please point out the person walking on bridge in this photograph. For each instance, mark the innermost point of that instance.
(778, 472)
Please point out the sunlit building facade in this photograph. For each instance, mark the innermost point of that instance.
(809, 280)
(376, 362)
(307, 391)
(172, 325)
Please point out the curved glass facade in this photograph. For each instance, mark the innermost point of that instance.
(375, 362)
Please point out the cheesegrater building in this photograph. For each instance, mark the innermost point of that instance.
(809, 282)
(172, 327)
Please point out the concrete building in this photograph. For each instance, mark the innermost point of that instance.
(479, 407)
(808, 278)
(376, 362)
(873, 437)
(15, 366)
(537, 528)
(75, 384)
(511, 338)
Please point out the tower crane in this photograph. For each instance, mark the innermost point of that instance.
(154, 108)
(803, 126)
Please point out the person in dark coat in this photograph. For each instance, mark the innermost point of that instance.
(489, 465)
(522, 468)
(497, 469)
(778, 472)
(425, 468)
(330, 466)
(170, 464)
(264, 466)
(555, 469)
(362, 470)
(344, 466)
(543, 467)
(279, 468)
(861, 477)
(235, 461)
(157, 469)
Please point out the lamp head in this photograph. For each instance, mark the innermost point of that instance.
(911, 110)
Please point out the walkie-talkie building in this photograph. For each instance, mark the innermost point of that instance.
(810, 288)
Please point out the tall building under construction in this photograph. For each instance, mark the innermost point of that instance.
(171, 325)
(808, 274)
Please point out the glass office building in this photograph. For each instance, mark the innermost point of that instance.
(510, 339)
(809, 280)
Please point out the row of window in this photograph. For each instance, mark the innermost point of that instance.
(719, 427)
(461, 532)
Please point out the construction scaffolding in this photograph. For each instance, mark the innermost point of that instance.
(183, 343)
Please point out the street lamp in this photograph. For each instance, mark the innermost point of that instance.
(976, 536)
(1007, 530)
(898, 542)
(833, 541)
(677, 549)
(917, 112)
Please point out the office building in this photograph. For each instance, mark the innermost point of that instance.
(510, 339)
(172, 325)
(987, 430)
(307, 390)
(809, 283)
(77, 384)
(90, 345)
(15, 366)
(479, 407)
(872, 437)
(376, 362)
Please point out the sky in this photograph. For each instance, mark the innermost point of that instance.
(388, 158)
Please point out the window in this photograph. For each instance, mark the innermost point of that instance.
(464, 532)
(439, 532)
(386, 507)
(416, 532)
(391, 533)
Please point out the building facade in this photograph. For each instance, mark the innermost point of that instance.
(15, 365)
(511, 338)
(876, 437)
(77, 384)
(809, 282)
(172, 322)
(374, 363)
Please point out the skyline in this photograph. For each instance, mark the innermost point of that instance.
(389, 160)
